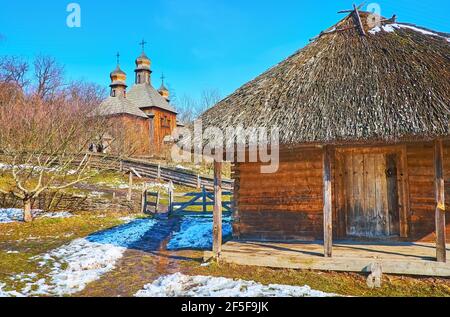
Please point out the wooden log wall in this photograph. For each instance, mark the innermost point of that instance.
(420, 160)
(287, 205)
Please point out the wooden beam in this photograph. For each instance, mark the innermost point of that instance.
(440, 202)
(130, 187)
(358, 18)
(217, 228)
(171, 198)
(327, 204)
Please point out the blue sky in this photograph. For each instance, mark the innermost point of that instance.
(198, 44)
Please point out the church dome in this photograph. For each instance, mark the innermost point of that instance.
(118, 74)
(143, 62)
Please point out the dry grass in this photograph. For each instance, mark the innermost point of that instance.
(349, 284)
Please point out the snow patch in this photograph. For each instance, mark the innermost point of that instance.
(82, 261)
(389, 28)
(9, 215)
(62, 214)
(180, 285)
(196, 232)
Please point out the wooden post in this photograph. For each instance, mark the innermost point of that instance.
(204, 199)
(217, 228)
(157, 203)
(170, 197)
(130, 187)
(440, 202)
(358, 18)
(199, 183)
(327, 204)
(159, 172)
(144, 201)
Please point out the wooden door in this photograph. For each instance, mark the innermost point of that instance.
(371, 194)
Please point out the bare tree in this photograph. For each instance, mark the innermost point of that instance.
(208, 99)
(14, 70)
(186, 107)
(48, 75)
(89, 93)
(189, 108)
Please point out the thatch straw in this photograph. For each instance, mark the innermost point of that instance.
(345, 87)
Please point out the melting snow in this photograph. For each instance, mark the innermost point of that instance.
(179, 285)
(63, 214)
(196, 232)
(9, 215)
(82, 261)
(391, 28)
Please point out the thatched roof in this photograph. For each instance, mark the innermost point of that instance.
(392, 84)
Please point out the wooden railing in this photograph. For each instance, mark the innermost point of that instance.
(156, 171)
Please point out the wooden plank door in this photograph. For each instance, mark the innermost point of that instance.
(369, 179)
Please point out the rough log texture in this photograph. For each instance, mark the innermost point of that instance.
(441, 253)
(288, 205)
(328, 202)
(217, 227)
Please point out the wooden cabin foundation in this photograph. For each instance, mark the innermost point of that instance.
(417, 259)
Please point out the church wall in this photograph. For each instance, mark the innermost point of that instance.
(164, 123)
(133, 134)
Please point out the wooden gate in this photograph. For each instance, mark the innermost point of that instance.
(200, 202)
(369, 189)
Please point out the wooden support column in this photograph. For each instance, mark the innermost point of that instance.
(217, 228)
(130, 187)
(171, 198)
(327, 203)
(441, 253)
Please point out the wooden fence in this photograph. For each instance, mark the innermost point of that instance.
(156, 171)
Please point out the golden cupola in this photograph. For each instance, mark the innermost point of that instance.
(143, 64)
(118, 81)
(163, 91)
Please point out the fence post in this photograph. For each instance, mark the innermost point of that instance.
(130, 187)
(199, 182)
(205, 197)
(159, 172)
(157, 204)
(170, 197)
(144, 200)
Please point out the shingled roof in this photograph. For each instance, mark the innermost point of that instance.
(145, 96)
(119, 105)
(390, 85)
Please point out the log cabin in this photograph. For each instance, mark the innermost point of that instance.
(363, 112)
(143, 113)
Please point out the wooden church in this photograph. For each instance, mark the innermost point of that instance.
(143, 114)
(363, 113)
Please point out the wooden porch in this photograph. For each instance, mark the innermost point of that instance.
(394, 258)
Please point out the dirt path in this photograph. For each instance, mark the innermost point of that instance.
(143, 263)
